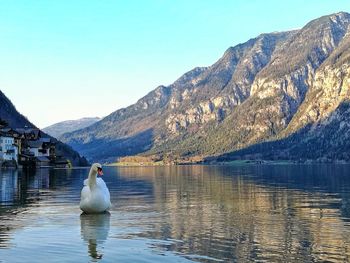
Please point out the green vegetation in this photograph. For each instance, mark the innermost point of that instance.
(254, 98)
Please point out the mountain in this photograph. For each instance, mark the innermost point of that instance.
(284, 92)
(58, 129)
(9, 113)
(14, 119)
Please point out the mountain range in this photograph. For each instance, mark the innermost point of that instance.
(14, 119)
(281, 95)
(58, 129)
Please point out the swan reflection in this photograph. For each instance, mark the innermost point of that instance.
(94, 231)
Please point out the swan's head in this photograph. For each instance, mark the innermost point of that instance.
(96, 167)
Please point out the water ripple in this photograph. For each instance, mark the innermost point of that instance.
(179, 214)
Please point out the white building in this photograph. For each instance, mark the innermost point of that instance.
(8, 149)
(37, 148)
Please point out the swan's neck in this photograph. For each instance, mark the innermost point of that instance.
(92, 178)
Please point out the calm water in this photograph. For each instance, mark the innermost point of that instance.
(179, 214)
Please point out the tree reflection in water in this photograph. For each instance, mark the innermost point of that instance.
(203, 213)
(263, 213)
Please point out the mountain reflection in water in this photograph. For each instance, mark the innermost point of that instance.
(184, 213)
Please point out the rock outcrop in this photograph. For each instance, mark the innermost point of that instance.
(264, 90)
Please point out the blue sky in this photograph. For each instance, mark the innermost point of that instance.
(63, 59)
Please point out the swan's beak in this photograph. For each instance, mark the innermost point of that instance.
(99, 171)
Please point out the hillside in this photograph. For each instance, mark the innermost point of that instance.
(264, 90)
(58, 129)
(14, 119)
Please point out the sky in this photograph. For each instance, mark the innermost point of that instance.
(64, 60)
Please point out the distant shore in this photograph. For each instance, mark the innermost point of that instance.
(135, 162)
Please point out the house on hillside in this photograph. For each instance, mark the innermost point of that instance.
(8, 148)
(42, 150)
(37, 148)
(28, 147)
(29, 133)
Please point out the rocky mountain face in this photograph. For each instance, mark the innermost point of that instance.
(267, 91)
(58, 129)
(14, 119)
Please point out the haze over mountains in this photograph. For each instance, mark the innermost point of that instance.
(56, 130)
(282, 95)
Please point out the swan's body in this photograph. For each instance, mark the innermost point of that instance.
(95, 197)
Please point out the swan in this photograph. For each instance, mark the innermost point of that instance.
(95, 197)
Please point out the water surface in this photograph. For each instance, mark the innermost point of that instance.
(179, 214)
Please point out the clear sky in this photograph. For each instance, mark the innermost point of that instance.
(67, 59)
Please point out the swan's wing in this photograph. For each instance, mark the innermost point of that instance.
(86, 182)
(102, 185)
(85, 193)
(100, 182)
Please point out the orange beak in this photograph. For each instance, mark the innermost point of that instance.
(99, 171)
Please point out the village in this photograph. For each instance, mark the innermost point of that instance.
(28, 148)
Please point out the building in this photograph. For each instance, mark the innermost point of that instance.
(29, 148)
(38, 148)
(42, 161)
(8, 148)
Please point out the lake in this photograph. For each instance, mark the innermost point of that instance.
(266, 213)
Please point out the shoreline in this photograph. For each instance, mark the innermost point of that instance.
(228, 163)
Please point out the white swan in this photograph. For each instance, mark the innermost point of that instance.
(95, 197)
